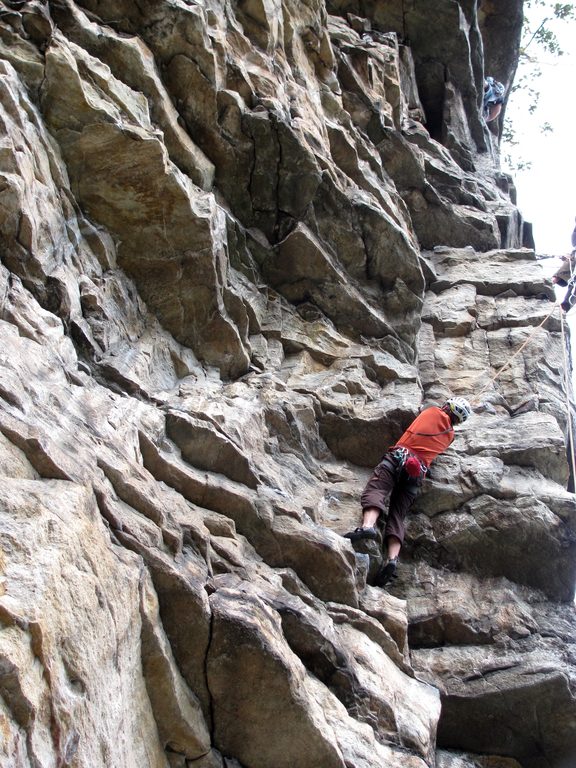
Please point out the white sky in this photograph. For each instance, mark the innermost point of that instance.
(547, 192)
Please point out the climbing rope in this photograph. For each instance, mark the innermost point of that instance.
(477, 398)
(568, 404)
(566, 369)
(501, 370)
(567, 386)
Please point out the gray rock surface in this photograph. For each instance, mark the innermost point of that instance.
(241, 244)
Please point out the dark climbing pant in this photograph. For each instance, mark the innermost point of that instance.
(393, 492)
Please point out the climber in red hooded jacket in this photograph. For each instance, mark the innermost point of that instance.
(396, 481)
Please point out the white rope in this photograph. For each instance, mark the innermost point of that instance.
(501, 370)
(568, 389)
(567, 383)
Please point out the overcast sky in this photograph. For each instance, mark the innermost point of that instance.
(546, 192)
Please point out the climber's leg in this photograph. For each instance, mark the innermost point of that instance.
(401, 500)
(374, 500)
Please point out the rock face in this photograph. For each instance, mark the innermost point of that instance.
(242, 243)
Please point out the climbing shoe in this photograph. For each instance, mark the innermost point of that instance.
(387, 573)
(361, 533)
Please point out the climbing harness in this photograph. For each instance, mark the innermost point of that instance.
(408, 461)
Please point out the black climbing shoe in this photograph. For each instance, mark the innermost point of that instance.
(386, 574)
(361, 533)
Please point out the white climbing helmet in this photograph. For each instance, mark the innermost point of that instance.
(459, 406)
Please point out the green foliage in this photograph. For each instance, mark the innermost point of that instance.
(542, 34)
(539, 42)
(510, 142)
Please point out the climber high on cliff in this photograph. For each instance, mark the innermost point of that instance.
(396, 480)
(493, 98)
(566, 275)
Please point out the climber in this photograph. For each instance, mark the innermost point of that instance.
(396, 480)
(565, 276)
(493, 98)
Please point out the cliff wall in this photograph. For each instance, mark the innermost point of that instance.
(242, 243)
